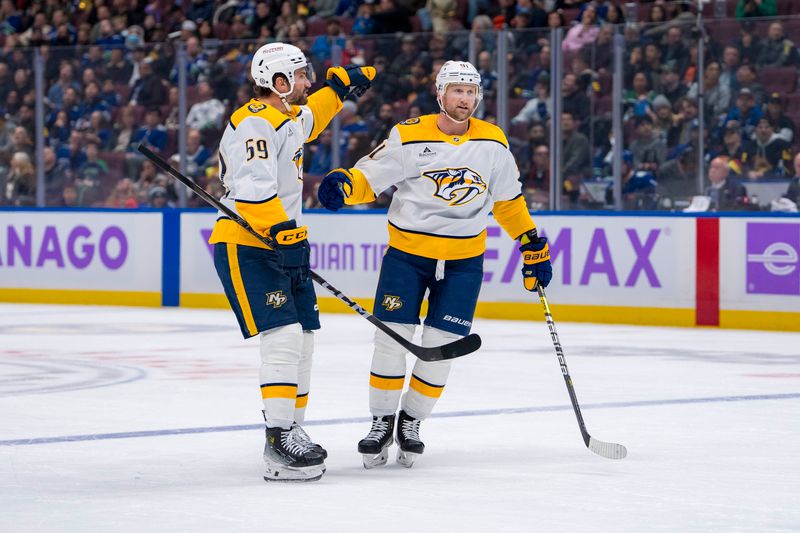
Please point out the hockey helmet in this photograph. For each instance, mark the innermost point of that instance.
(278, 58)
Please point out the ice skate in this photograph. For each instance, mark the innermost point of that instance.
(374, 448)
(302, 435)
(289, 458)
(408, 439)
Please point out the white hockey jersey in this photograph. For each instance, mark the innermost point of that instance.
(261, 164)
(446, 187)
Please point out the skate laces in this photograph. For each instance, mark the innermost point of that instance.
(294, 444)
(379, 428)
(410, 428)
(301, 433)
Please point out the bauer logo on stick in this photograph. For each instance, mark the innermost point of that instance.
(457, 185)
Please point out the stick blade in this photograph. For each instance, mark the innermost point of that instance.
(609, 450)
(458, 348)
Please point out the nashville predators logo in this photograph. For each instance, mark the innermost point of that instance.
(392, 303)
(276, 299)
(456, 185)
(256, 107)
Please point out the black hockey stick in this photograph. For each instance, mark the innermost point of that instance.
(608, 450)
(457, 348)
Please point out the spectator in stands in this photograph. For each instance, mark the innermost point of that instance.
(749, 44)
(584, 33)
(323, 44)
(197, 63)
(537, 109)
(72, 152)
(674, 51)
(401, 64)
(208, 112)
(92, 102)
(364, 24)
(784, 126)
(59, 131)
(577, 153)
(321, 154)
(725, 191)
(638, 100)
(756, 8)
(671, 85)
(351, 124)
(657, 14)
(152, 134)
(733, 148)
(56, 176)
(158, 198)
(662, 117)
(488, 74)
(20, 185)
(119, 69)
(648, 150)
(6, 131)
(793, 192)
(287, 17)
(381, 124)
(730, 65)
(745, 112)
(66, 79)
(149, 90)
(684, 122)
(123, 195)
(125, 129)
(677, 177)
(392, 17)
(90, 176)
(536, 185)
(652, 59)
(20, 142)
(575, 102)
(717, 95)
(777, 50)
(197, 155)
(768, 155)
(265, 16)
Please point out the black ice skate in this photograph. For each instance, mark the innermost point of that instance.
(302, 435)
(408, 439)
(375, 446)
(289, 458)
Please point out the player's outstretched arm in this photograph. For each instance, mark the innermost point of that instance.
(339, 83)
(342, 186)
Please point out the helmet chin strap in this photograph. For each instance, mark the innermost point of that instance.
(283, 96)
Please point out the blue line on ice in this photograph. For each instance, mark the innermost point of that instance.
(360, 419)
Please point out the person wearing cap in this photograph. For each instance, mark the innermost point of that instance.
(662, 116)
(745, 112)
(733, 148)
(768, 155)
(784, 126)
(536, 109)
(269, 286)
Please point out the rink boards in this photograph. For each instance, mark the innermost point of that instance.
(728, 271)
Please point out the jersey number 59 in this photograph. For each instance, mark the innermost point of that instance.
(256, 148)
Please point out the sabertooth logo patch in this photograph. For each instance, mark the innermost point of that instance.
(392, 303)
(457, 186)
(276, 299)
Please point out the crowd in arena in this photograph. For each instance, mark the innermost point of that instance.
(111, 82)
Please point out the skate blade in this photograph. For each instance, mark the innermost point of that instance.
(372, 460)
(406, 459)
(287, 474)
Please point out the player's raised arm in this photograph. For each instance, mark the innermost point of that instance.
(326, 102)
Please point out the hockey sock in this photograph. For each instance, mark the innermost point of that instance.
(388, 370)
(304, 377)
(428, 377)
(280, 358)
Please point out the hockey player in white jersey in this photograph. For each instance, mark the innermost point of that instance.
(450, 171)
(269, 288)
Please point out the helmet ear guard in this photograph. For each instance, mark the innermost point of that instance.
(457, 72)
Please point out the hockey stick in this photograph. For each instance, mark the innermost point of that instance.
(608, 450)
(457, 348)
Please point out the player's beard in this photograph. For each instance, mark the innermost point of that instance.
(298, 96)
(456, 112)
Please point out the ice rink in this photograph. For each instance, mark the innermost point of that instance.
(128, 419)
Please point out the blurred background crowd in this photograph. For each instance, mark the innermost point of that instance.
(111, 79)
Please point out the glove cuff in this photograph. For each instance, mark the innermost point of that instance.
(290, 236)
(528, 237)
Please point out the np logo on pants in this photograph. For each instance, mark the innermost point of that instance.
(773, 254)
(392, 303)
(276, 299)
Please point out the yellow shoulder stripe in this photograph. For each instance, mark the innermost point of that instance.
(422, 129)
(254, 108)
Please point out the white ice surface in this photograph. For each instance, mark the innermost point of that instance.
(711, 419)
